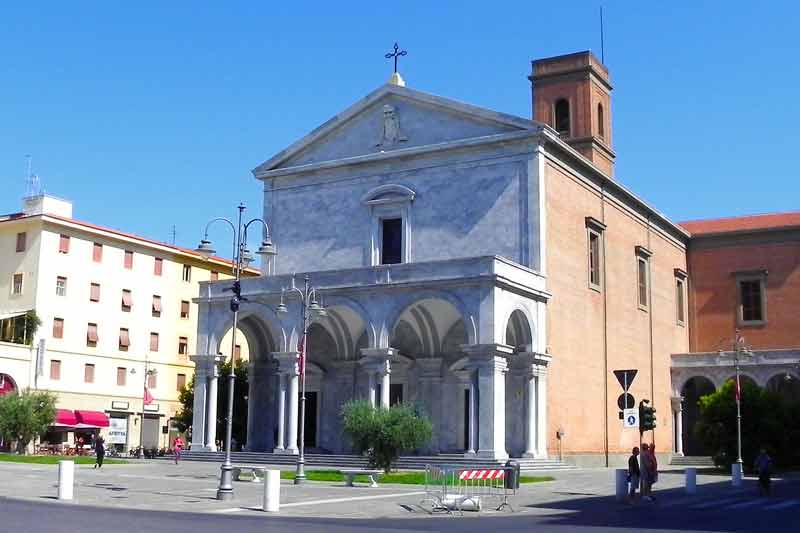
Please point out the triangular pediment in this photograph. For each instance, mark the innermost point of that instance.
(393, 118)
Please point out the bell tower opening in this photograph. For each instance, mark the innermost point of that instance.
(572, 94)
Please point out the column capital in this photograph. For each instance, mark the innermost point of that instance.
(379, 352)
(378, 360)
(429, 367)
(487, 350)
(677, 403)
(287, 362)
(464, 375)
(206, 364)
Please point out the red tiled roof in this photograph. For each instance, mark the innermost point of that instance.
(88, 225)
(770, 221)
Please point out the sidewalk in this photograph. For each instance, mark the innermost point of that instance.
(191, 487)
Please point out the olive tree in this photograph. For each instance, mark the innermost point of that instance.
(25, 416)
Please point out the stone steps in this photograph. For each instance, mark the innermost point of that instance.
(409, 462)
(692, 460)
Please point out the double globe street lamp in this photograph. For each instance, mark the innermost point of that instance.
(242, 257)
(740, 351)
(310, 308)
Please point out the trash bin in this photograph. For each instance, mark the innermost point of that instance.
(512, 474)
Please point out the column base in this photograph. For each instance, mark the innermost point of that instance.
(290, 451)
(469, 454)
(530, 455)
(496, 455)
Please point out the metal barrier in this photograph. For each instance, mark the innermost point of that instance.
(462, 489)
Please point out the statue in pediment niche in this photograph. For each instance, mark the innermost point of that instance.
(391, 128)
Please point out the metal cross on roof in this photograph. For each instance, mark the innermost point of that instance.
(397, 53)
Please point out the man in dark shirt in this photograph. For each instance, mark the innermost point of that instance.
(633, 473)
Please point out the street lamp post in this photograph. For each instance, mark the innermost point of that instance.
(310, 308)
(241, 259)
(147, 373)
(739, 350)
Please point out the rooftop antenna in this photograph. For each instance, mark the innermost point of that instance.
(602, 39)
(174, 234)
(32, 187)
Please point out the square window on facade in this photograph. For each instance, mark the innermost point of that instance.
(91, 334)
(61, 286)
(187, 273)
(55, 369)
(156, 306)
(63, 244)
(752, 300)
(181, 382)
(58, 328)
(128, 259)
(21, 241)
(124, 339)
(97, 252)
(642, 276)
(153, 342)
(184, 309)
(122, 375)
(88, 373)
(183, 345)
(16, 284)
(158, 266)
(127, 300)
(94, 292)
(391, 241)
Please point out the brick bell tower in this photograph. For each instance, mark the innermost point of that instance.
(572, 94)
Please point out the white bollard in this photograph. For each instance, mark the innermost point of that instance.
(272, 491)
(66, 479)
(622, 484)
(736, 474)
(691, 480)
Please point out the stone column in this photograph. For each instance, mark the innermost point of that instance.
(677, 408)
(289, 369)
(199, 405)
(279, 447)
(371, 387)
(211, 416)
(541, 415)
(252, 399)
(377, 361)
(490, 362)
(429, 395)
(530, 416)
(294, 401)
(385, 387)
(473, 414)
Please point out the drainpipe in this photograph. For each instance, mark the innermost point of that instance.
(605, 325)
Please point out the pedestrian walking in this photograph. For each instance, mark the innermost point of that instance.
(177, 448)
(99, 450)
(633, 474)
(763, 467)
(649, 471)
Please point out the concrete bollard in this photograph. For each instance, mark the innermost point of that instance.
(66, 479)
(622, 484)
(272, 491)
(691, 480)
(736, 474)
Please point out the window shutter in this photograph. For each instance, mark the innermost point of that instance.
(156, 304)
(97, 252)
(184, 309)
(58, 328)
(154, 342)
(128, 259)
(63, 244)
(91, 333)
(124, 338)
(127, 299)
(21, 241)
(158, 266)
(94, 292)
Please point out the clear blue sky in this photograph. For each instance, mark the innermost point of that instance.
(147, 115)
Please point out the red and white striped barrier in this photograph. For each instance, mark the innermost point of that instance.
(481, 474)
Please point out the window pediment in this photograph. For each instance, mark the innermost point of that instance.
(388, 195)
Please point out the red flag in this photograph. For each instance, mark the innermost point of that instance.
(148, 398)
(737, 391)
(301, 355)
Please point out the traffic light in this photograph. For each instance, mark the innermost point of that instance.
(647, 417)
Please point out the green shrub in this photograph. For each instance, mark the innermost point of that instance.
(25, 416)
(383, 434)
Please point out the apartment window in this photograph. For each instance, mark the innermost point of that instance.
(122, 375)
(214, 275)
(97, 253)
(391, 241)
(94, 292)
(680, 296)
(152, 381)
(183, 345)
(595, 229)
(16, 284)
(187, 273)
(153, 342)
(63, 244)
(752, 298)
(127, 300)
(184, 309)
(124, 339)
(88, 373)
(158, 267)
(156, 306)
(55, 369)
(21, 241)
(58, 328)
(643, 276)
(128, 259)
(181, 382)
(91, 335)
(61, 286)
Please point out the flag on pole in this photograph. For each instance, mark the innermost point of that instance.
(148, 398)
(301, 355)
(737, 391)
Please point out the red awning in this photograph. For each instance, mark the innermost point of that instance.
(65, 417)
(91, 419)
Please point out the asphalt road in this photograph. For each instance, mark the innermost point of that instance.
(744, 512)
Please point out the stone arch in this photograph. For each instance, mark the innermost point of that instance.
(258, 322)
(322, 348)
(744, 379)
(786, 385)
(357, 318)
(419, 325)
(519, 332)
(691, 391)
